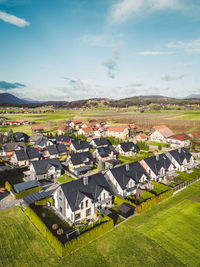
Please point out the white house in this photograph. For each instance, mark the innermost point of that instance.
(160, 133)
(128, 149)
(179, 140)
(79, 199)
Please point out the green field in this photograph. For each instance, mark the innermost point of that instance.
(166, 235)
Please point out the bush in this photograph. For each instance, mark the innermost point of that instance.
(146, 205)
(44, 201)
(142, 145)
(8, 186)
(28, 192)
(54, 226)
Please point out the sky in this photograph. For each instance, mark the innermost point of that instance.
(80, 49)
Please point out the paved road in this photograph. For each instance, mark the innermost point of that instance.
(7, 201)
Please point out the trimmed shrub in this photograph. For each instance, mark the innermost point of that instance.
(142, 145)
(44, 201)
(120, 200)
(146, 205)
(28, 192)
(8, 186)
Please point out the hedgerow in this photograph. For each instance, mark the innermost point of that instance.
(28, 192)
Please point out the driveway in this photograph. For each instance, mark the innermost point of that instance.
(7, 201)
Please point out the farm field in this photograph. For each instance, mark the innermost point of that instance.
(139, 241)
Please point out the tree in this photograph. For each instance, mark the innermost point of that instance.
(10, 137)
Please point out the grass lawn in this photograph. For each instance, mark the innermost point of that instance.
(138, 157)
(159, 188)
(65, 179)
(177, 231)
(129, 244)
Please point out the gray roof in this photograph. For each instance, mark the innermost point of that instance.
(32, 153)
(35, 137)
(63, 138)
(9, 147)
(61, 148)
(79, 158)
(124, 173)
(106, 151)
(75, 191)
(52, 150)
(80, 145)
(21, 155)
(26, 185)
(30, 199)
(41, 142)
(129, 146)
(180, 154)
(42, 166)
(101, 142)
(20, 136)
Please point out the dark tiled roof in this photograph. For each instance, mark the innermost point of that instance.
(61, 148)
(180, 154)
(52, 150)
(42, 141)
(79, 158)
(123, 174)
(75, 191)
(19, 135)
(157, 162)
(106, 151)
(26, 185)
(101, 142)
(129, 146)
(21, 155)
(80, 145)
(41, 166)
(32, 153)
(8, 147)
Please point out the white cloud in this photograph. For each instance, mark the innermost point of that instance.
(104, 40)
(12, 19)
(111, 65)
(168, 78)
(124, 9)
(154, 53)
(191, 46)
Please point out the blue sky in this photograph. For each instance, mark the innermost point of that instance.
(75, 49)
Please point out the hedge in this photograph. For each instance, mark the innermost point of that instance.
(8, 186)
(44, 201)
(120, 200)
(28, 192)
(74, 244)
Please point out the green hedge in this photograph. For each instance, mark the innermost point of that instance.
(28, 192)
(45, 231)
(165, 195)
(74, 244)
(8, 186)
(44, 201)
(146, 205)
(186, 177)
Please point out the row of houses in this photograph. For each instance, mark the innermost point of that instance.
(79, 200)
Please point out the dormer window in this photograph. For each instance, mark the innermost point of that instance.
(82, 205)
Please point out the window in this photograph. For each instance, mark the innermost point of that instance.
(86, 203)
(72, 216)
(60, 192)
(67, 205)
(60, 198)
(104, 195)
(149, 172)
(77, 216)
(88, 212)
(82, 205)
(61, 209)
(130, 184)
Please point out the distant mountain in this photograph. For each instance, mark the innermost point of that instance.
(11, 99)
(193, 96)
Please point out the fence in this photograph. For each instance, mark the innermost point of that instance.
(184, 185)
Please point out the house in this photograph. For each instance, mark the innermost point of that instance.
(20, 158)
(37, 128)
(141, 137)
(79, 146)
(79, 200)
(63, 139)
(62, 150)
(127, 149)
(158, 167)
(9, 148)
(76, 125)
(15, 123)
(85, 131)
(79, 163)
(160, 133)
(99, 142)
(42, 143)
(23, 157)
(105, 153)
(179, 140)
(35, 137)
(20, 137)
(63, 128)
(195, 135)
(116, 131)
(49, 169)
(126, 179)
(182, 159)
(50, 152)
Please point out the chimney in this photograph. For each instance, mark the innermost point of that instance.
(127, 167)
(157, 156)
(179, 150)
(85, 180)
